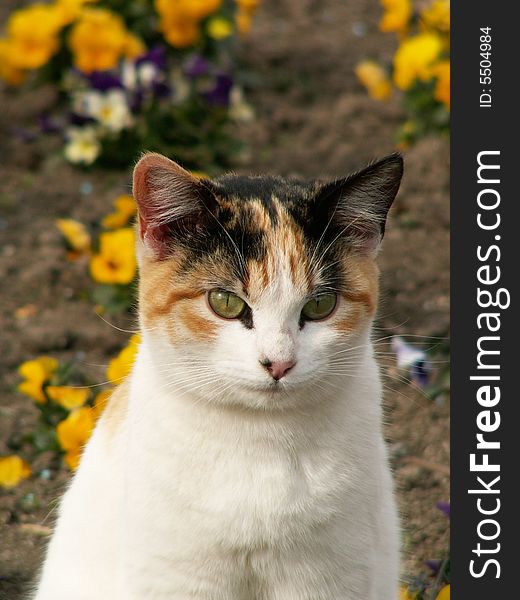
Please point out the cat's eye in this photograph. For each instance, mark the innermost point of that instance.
(319, 307)
(226, 304)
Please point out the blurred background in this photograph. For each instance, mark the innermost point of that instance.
(309, 88)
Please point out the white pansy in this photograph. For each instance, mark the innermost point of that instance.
(181, 87)
(239, 109)
(406, 354)
(110, 109)
(129, 75)
(147, 72)
(83, 146)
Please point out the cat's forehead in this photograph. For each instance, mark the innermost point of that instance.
(262, 217)
(265, 189)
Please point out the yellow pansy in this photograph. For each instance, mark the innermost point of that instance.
(396, 16)
(33, 35)
(243, 21)
(69, 10)
(75, 233)
(36, 372)
(133, 46)
(437, 16)
(13, 469)
(244, 14)
(74, 432)
(8, 71)
(194, 10)
(444, 594)
(98, 40)
(125, 207)
(248, 5)
(100, 402)
(180, 19)
(442, 87)
(120, 366)
(116, 262)
(67, 396)
(180, 32)
(219, 28)
(375, 79)
(414, 59)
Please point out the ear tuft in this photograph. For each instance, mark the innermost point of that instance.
(172, 203)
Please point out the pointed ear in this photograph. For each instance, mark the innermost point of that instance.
(173, 204)
(358, 205)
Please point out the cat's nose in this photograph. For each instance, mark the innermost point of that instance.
(278, 369)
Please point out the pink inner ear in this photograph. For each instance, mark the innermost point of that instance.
(156, 178)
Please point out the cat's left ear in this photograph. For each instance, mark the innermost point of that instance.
(173, 205)
(358, 205)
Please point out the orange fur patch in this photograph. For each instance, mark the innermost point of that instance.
(362, 275)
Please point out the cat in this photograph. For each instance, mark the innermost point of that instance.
(243, 458)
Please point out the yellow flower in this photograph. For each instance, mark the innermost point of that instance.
(116, 261)
(243, 21)
(98, 40)
(33, 35)
(442, 87)
(180, 32)
(414, 59)
(397, 15)
(13, 469)
(444, 594)
(8, 71)
(36, 372)
(125, 207)
(120, 366)
(194, 10)
(70, 10)
(437, 16)
(248, 5)
(219, 28)
(180, 19)
(67, 396)
(74, 432)
(375, 79)
(76, 234)
(134, 46)
(405, 594)
(100, 402)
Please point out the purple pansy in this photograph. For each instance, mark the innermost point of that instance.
(156, 55)
(413, 359)
(105, 80)
(219, 95)
(445, 507)
(47, 125)
(196, 66)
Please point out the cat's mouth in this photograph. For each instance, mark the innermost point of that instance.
(270, 388)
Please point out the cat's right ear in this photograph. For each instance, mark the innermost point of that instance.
(172, 203)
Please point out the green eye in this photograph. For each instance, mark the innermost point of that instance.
(226, 304)
(319, 307)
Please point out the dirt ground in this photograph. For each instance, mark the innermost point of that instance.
(313, 119)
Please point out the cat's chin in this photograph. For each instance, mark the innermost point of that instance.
(275, 395)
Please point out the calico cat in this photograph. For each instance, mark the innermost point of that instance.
(243, 458)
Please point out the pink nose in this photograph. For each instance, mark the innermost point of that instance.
(278, 369)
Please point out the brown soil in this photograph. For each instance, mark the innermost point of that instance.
(312, 119)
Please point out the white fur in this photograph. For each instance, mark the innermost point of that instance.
(222, 485)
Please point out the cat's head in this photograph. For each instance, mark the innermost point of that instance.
(252, 288)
